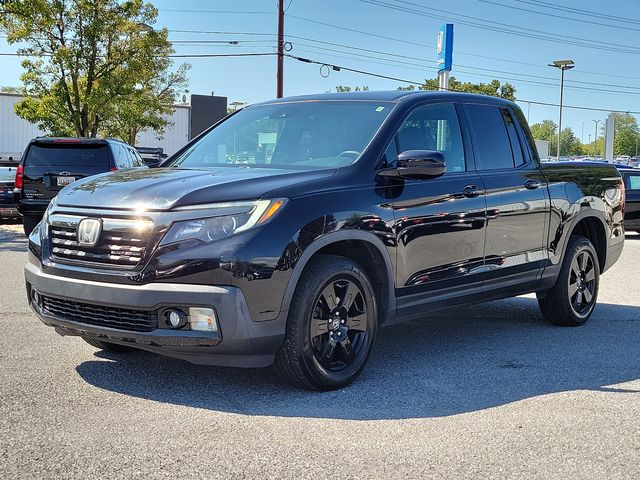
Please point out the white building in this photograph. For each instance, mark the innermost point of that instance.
(15, 132)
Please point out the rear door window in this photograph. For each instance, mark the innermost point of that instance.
(121, 156)
(137, 159)
(492, 143)
(66, 155)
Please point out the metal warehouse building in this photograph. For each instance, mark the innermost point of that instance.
(187, 121)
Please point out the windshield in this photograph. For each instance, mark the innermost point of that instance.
(314, 135)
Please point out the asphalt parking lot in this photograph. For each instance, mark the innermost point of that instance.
(480, 392)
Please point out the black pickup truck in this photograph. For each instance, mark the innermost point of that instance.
(290, 231)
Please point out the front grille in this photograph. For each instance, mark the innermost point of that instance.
(122, 243)
(100, 315)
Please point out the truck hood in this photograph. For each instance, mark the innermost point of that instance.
(167, 188)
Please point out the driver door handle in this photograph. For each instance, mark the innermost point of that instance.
(471, 191)
(532, 184)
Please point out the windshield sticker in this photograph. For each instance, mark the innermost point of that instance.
(379, 109)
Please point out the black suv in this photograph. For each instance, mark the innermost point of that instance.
(631, 178)
(292, 230)
(49, 164)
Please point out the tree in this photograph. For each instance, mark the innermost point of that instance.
(92, 66)
(8, 89)
(148, 105)
(548, 130)
(343, 89)
(494, 88)
(627, 134)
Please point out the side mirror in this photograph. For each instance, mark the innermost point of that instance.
(417, 164)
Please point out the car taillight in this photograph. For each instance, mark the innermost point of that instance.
(19, 181)
(114, 169)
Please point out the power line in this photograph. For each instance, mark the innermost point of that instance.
(422, 65)
(413, 82)
(504, 28)
(176, 10)
(222, 32)
(407, 42)
(349, 69)
(579, 11)
(190, 55)
(563, 17)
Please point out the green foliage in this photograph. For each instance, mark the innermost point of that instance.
(494, 88)
(93, 66)
(9, 89)
(343, 89)
(548, 130)
(627, 134)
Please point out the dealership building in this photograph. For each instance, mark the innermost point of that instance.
(188, 120)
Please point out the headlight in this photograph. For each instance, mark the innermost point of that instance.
(45, 218)
(233, 218)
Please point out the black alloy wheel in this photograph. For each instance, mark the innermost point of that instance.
(582, 283)
(331, 327)
(570, 302)
(338, 326)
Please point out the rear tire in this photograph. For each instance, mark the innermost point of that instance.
(29, 223)
(106, 346)
(571, 301)
(332, 325)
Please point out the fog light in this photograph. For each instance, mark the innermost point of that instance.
(175, 318)
(203, 319)
(35, 296)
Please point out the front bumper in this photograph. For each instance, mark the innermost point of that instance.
(240, 342)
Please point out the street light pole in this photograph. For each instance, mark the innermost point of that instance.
(595, 138)
(562, 65)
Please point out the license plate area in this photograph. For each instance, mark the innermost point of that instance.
(64, 181)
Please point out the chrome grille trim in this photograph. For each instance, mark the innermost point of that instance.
(122, 242)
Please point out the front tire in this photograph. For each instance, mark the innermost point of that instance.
(332, 325)
(571, 301)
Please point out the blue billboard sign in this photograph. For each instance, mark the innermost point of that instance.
(445, 48)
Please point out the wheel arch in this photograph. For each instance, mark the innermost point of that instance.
(591, 226)
(364, 248)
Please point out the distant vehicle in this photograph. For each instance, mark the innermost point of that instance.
(152, 156)
(49, 164)
(631, 178)
(7, 176)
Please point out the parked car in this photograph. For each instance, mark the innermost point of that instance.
(49, 164)
(7, 176)
(289, 232)
(631, 178)
(152, 156)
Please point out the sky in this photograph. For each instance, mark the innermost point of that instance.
(510, 40)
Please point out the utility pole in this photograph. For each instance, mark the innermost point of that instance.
(280, 73)
(595, 138)
(582, 135)
(562, 65)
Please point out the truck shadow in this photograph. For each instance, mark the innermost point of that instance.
(458, 361)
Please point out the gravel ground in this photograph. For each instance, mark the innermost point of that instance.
(486, 392)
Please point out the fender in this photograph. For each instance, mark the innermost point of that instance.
(334, 237)
(551, 272)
